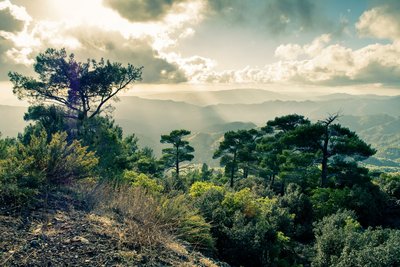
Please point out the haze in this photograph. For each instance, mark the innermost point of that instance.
(279, 45)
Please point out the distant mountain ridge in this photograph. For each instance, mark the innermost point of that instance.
(232, 96)
(374, 118)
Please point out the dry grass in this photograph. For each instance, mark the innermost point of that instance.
(124, 226)
(137, 212)
(152, 221)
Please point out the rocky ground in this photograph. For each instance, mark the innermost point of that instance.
(65, 235)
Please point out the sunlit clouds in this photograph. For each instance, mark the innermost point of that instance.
(298, 42)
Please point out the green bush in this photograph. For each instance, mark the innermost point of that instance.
(142, 180)
(249, 230)
(300, 205)
(200, 188)
(115, 153)
(366, 200)
(341, 241)
(41, 165)
(186, 221)
(390, 184)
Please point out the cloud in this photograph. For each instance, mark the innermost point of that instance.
(147, 32)
(8, 63)
(320, 63)
(13, 18)
(142, 10)
(117, 39)
(94, 42)
(380, 22)
(295, 51)
(8, 22)
(194, 67)
(274, 16)
(281, 13)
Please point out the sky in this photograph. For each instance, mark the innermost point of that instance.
(332, 45)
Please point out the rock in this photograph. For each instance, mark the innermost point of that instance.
(38, 230)
(80, 239)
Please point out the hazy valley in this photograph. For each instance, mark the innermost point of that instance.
(374, 118)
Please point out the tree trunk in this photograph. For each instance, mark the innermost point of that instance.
(233, 169)
(324, 163)
(325, 150)
(272, 180)
(245, 172)
(177, 162)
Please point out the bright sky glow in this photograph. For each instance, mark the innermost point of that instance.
(345, 45)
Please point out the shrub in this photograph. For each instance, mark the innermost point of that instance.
(341, 241)
(390, 184)
(367, 201)
(115, 153)
(186, 222)
(142, 180)
(300, 205)
(200, 188)
(150, 219)
(249, 230)
(41, 165)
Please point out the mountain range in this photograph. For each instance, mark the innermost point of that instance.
(375, 118)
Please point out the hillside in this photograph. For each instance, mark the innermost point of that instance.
(67, 234)
(383, 133)
(121, 207)
(374, 118)
(232, 96)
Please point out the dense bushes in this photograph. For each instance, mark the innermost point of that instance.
(247, 228)
(367, 201)
(41, 165)
(341, 241)
(270, 209)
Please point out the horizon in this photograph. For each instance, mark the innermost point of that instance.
(151, 91)
(307, 47)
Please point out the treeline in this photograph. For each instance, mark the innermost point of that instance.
(292, 193)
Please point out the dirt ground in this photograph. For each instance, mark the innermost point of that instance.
(64, 235)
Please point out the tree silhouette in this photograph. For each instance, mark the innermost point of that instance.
(82, 88)
(180, 151)
(332, 144)
(237, 150)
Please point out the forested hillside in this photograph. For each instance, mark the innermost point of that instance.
(374, 118)
(290, 189)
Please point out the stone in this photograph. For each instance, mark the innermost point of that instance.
(80, 239)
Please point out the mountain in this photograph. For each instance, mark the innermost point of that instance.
(230, 126)
(145, 115)
(375, 119)
(260, 113)
(148, 119)
(210, 122)
(207, 140)
(338, 96)
(233, 96)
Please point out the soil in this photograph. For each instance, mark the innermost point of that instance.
(64, 234)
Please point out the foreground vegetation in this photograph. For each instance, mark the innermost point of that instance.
(289, 194)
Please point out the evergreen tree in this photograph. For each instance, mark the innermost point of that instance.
(237, 151)
(179, 152)
(82, 89)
